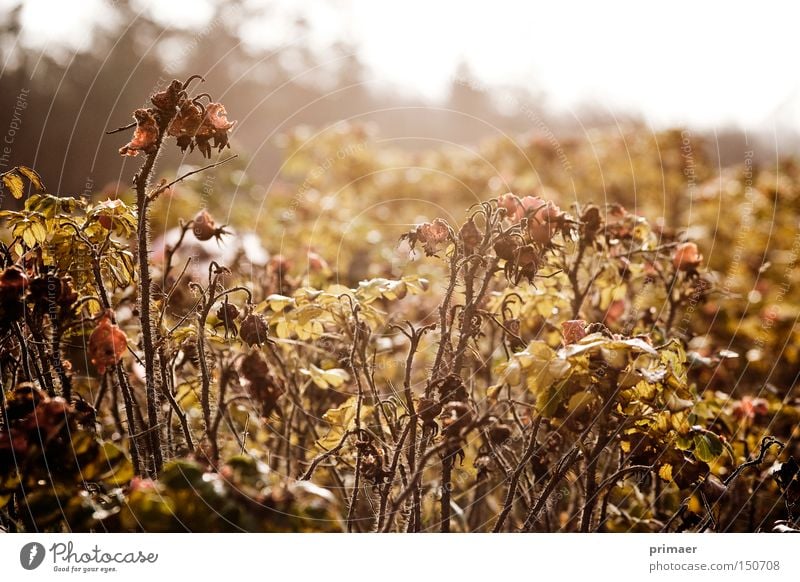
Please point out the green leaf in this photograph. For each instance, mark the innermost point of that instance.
(707, 447)
(111, 466)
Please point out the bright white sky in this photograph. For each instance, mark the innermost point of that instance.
(702, 63)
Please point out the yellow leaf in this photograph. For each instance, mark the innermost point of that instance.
(278, 303)
(665, 472)
(332, 378)
(542, 366)
(283, 330)
(341, 419)
(13, 181)
(33, 176)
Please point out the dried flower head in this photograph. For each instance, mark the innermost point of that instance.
(214, 128)
(686, 257)
(186, 124)
(145, 136)
(573, 330)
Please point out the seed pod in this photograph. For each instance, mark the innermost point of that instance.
(253, 330)
(227, 313)
(527, 262)
(544, 222)
(204, 227)
(456, 418)
(13, 282)
(499, 433)
(591, 222)
(259, 383)
(470, 234)
(428, 409)
(528, 256)
(107, 344)
(253, 367)
(167, 99)
(506, 247)
(371, 462)
(452, 388)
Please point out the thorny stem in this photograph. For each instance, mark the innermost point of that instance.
(23, 351)
(122, 374)
(514, 481)
(360, 334)
(153, 382)
(444, 314)
(766, 443)
(561, 469)
(412, 485)
(577, 296)
(205, 374)
(176, 407)
(414, 337)
(392, 471)
(133, 433)
(591, 479)
(447, 475)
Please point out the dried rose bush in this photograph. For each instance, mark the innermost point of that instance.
(532, 366)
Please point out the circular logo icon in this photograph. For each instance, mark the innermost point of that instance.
(31, 555)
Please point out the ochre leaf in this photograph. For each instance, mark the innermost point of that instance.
(13, 181)
(33, 176)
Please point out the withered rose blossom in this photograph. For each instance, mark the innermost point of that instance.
(512, 206)
(145, 135)
(186, 124)
(543, 216)
(573, 330)
(214, 127)
(686, 257)
(168, 99)
(543, 219)
(432, 235)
